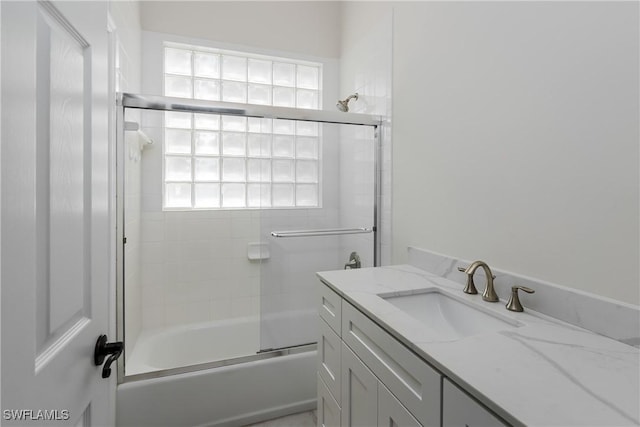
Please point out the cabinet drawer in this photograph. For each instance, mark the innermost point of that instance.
(459, 409)
(329, 367)
(330, 307)
(408, 377)
(328, 408)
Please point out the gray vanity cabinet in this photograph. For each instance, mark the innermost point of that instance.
(410, 379)
(329, 359)
(363, 372)
(366, 377)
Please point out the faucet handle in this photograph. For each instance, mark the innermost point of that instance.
(514, 301)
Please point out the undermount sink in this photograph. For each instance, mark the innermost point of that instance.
(448, 317)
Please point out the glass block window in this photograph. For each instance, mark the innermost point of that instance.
(219, 161)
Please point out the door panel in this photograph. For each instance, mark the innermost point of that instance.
(61, 173)
(55, 212)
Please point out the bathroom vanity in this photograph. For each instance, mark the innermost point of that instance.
(401, 346)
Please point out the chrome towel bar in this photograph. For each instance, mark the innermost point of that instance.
(325, 232)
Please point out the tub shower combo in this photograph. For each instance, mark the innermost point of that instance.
(225, 213)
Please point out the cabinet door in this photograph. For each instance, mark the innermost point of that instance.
(329, 359)
(411, 379)
(460, 410)
(328, 408)
(391, 413)
(359, 392)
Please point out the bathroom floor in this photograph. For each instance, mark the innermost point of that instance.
(303, 419)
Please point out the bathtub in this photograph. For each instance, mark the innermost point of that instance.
(232, 395)
(192, 344)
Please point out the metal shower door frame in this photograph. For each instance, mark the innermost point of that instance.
(184, 105)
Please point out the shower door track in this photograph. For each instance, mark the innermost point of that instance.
(261, 355)
(185, 105)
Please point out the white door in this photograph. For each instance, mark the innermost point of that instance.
(55, 212)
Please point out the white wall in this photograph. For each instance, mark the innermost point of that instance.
(516, 138)
(305, 27)
(365, 68)
(126, 17)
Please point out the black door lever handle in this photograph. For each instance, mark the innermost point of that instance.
(104, 349)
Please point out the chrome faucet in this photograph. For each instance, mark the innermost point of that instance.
(489, 293)
(354, 261)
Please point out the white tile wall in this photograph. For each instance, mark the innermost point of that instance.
(194, 264)
(366, 64)
(357, 150)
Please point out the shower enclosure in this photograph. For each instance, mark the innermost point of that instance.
(225, 213)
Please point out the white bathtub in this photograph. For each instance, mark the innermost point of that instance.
(232, 395)
(160, 349)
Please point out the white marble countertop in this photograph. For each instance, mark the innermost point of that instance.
(541, 373)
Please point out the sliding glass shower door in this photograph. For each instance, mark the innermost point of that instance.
(322, 237)
(225, 214)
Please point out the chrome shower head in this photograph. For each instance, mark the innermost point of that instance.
(344, 105)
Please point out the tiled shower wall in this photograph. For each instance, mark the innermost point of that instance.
(194, 264)
(357, 175)
(365, 68)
